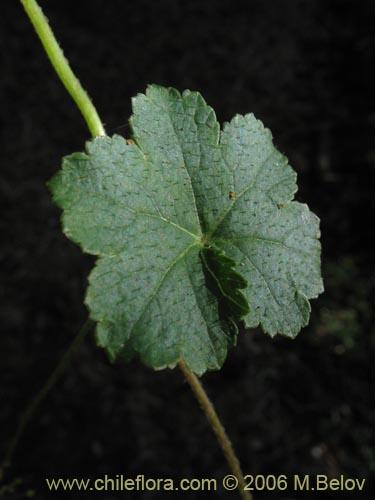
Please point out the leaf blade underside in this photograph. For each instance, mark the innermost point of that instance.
(181, 201)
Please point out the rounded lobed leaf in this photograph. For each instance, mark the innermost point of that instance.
(194, 229)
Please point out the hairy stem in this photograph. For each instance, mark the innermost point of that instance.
(62, 68)
(44, 391)
(217, 427)
(95, 126)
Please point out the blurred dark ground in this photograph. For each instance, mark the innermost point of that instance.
(291, 407)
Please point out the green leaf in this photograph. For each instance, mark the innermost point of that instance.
(223, 278)
(194, 231)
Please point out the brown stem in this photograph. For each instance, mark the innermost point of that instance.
(44, 391)
(217, 427)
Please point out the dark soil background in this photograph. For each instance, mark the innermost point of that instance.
(290, 407)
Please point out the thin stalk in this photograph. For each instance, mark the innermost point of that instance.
(95, 126)
(217, 427)
(62, 68)
(44, 391)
